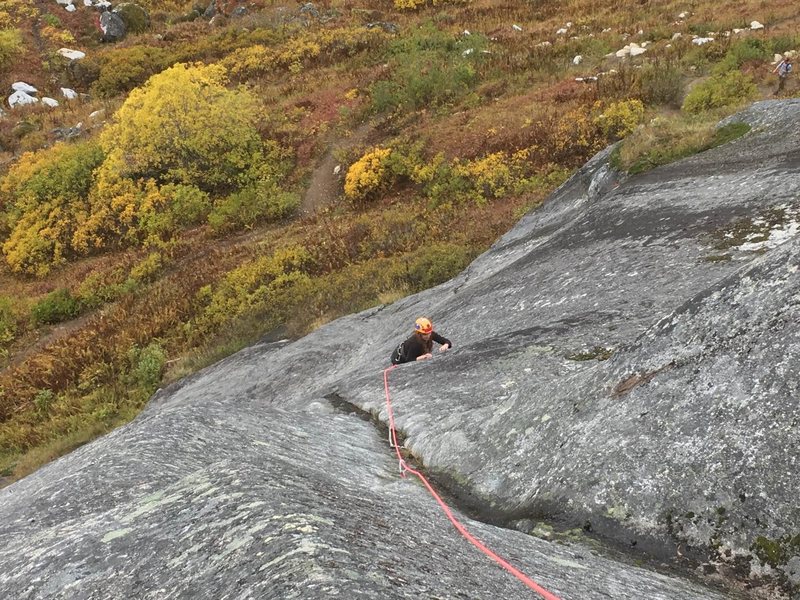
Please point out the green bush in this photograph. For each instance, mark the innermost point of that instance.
(56, 307)
(262, 201)
(721, 91)
(428, 68)
(145, 366)
(122, 69)
(434, 264)
(740, 52)
(134, 16)
(660, 83)
(10, 46)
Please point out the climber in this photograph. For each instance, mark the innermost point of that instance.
(420, 344)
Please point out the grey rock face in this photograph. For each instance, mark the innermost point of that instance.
(244, 481)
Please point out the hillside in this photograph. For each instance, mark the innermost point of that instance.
(181, 205)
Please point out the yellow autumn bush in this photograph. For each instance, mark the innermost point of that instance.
(44, 198)
(184, 126)
(619, 119)
(367, 175)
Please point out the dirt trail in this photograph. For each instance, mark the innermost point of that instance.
(325, 185)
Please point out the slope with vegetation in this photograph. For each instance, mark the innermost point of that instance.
(165, 234)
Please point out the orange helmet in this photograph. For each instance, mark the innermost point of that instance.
(423, 325)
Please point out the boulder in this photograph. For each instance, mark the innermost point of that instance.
(112, 26)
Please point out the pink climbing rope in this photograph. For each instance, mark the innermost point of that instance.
(404, 468)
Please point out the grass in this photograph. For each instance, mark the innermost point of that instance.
(668, 139)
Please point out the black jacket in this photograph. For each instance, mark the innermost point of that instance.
(415, 346)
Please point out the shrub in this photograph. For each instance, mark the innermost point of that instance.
(660, 83)
(185, 127)
(367, 176)
(46, 196)
(721, 91)
(436, 263)
(122, 69)
(145, 366)
(619, 119)
(8, 321)
(427, 68)
(134, 16)
(56, 307)
(260, 201)
(10, 46)
(740, 52)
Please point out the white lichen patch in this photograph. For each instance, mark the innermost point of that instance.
(113, 535)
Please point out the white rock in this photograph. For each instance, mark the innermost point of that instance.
(736, 30)
(70, 8)
(69, 93)
(606, 30)
(699, 41)
(543, 44)
(645, 44)
(683, 15)
(516, 27)
(99, 113)
(466, 32)
(637, 50)
(336, 170)
(468, 51)
(776, 58)
(561, 31)
(21, 86)
(568, 25)
(640, 32)
(577, 60)
(756, 25)
(21, 98)
(676, 36)
(64, 2)
(51, 102)
(71, 54)
(623, 52)
(668, 46)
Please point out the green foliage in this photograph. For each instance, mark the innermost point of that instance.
(660, 83)
(10, 46)
(52, 20)
(721, 91)
(258, 285)
(42, 401)
(667, 140)
(184, 126)
(741, 52)
(260, 201)
(134, 16)
(172, 208)
(147, 269)
(56, 307)
(435, 263)
(8, 321)
(427, 68)
(45, 194)
(145, 367)
(122, 69)
(619, 119)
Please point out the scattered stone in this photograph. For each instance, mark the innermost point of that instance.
(466, 32)
(561, 31)
(97, 114)
(756, 25)
(468, 51)
(516, 27)
(387, 27)
(20, 98)
(337, 169)
(577, 60)
(69, 93)
(676, 36)
(51, 102)
(71, 54)
(21, 86)
(699, 41)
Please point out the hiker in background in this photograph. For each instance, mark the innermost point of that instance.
(420, 344)
(783, 69)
